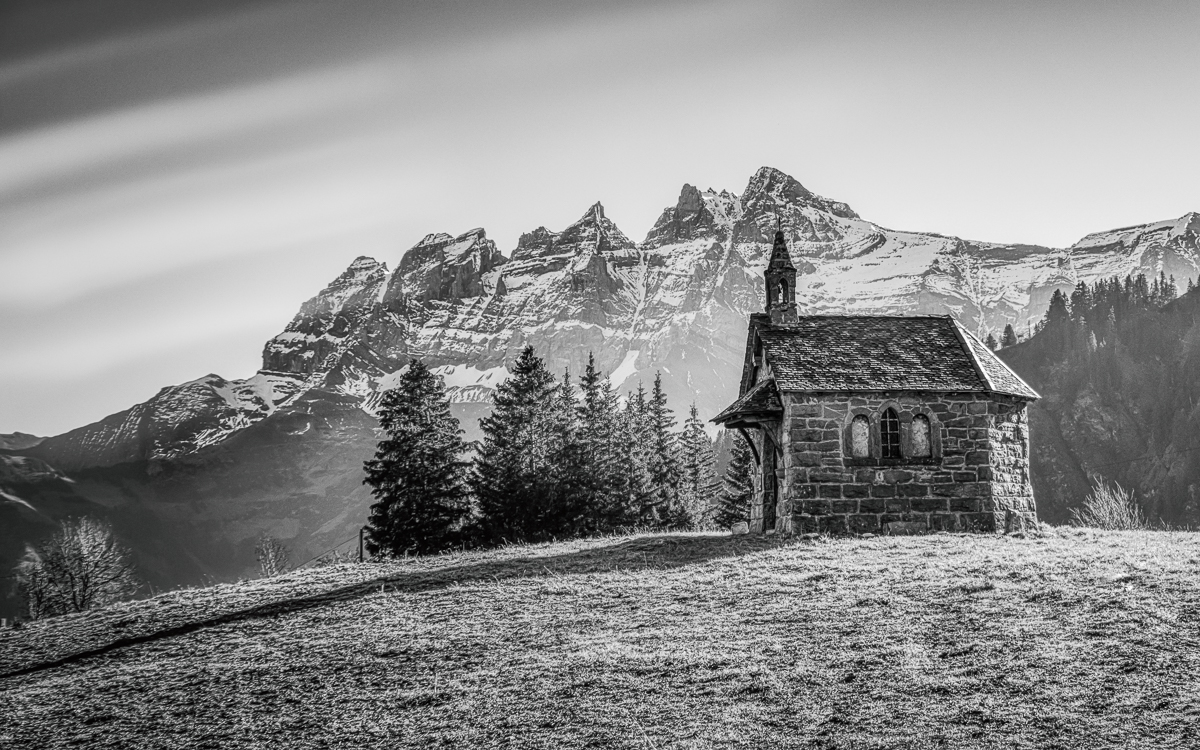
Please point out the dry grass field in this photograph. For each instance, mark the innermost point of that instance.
(1077, 639)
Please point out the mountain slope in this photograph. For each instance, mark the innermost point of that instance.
(1078, 640)
(1120, 402)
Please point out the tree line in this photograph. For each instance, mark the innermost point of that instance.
(1095, 308)
(558, 459)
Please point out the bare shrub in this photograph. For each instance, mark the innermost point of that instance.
(80, 567)
(273, 556)
(1110, 506)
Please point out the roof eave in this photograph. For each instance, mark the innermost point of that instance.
(723, 418)
(961, 333)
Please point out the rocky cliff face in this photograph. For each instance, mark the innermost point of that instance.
(675, 303)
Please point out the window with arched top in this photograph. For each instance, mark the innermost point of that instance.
(860, 437)
(781, 292)
(889, 434)
(922, 446)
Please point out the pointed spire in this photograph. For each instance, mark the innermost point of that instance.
(780, 257)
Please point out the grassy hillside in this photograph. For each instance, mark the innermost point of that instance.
(1078, 639)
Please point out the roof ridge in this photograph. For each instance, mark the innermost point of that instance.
(842, 316)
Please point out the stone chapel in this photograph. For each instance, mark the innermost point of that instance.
(878, 424)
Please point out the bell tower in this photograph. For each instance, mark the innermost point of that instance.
(781, 283)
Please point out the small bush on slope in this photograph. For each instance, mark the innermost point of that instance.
(273, 556)
(1111, 507)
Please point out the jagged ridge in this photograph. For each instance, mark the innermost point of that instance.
(674, 303)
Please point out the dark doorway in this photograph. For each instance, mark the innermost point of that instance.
(770, 485)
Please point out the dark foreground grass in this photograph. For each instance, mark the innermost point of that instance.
(1076, 640)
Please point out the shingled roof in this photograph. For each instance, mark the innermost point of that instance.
(884, 353)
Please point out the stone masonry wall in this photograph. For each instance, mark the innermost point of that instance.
(977, 478)
(1012, 492)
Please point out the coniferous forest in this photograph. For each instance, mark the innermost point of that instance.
(559, 458)
(1118, 368)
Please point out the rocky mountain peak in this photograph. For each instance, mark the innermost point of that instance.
(694, 215)
(691, 200)
(434, 239)
(770, 187)
(536, 244)
(441, 267)
(362, 272)
(1189, 222)
(592, 233)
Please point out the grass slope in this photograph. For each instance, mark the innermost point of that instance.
(1079, 639)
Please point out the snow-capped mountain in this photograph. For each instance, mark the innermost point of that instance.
(675, 303)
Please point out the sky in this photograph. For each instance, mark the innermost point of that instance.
(177, 178)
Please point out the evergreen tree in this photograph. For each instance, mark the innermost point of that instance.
(991, 342)
(1058, 319)
(1081, 300)
(417, 474)
(513, 475)
(600, 439)
(1058, 310)
(737, 488)
(698, 482)
(664, 459)
(636, 488)
(1010, 336)
(570, 486)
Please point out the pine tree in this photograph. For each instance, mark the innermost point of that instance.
(599, 436)
(512, 477)
(1058, 310)
(1010, 336)
(737, 488)
(417, 474)
(991, 342)
(698, 482)
(1081, 301)
(635, 449)
(664, 459)
(571, 509)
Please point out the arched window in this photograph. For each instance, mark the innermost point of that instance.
(782, 297)
(860, 437)
(889, 434)
(921, 446)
